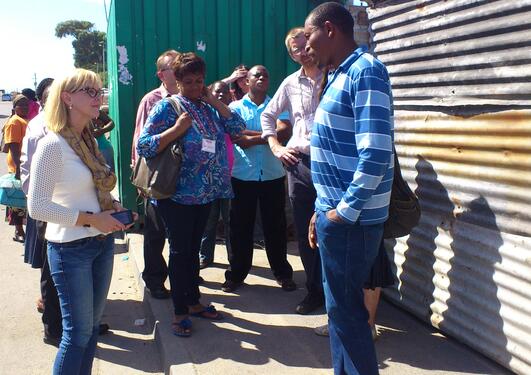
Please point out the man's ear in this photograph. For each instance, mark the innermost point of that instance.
(329, 29)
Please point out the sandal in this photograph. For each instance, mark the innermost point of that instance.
(182, 328)
(208, 312)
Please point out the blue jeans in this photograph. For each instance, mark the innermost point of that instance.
(81, 272)
(347, 254)
(208, 242)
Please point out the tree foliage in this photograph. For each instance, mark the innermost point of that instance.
(88, 43)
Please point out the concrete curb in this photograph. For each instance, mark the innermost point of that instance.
(158, 314)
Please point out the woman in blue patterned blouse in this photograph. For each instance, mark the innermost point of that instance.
(204, 177)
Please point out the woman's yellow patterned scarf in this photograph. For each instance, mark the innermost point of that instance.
(85, 148)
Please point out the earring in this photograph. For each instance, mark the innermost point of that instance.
(70, 106)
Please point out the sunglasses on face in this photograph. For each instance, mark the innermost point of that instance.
(92, 92)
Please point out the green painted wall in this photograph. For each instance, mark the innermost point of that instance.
(232, 31)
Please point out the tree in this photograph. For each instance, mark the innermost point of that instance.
(88, 44)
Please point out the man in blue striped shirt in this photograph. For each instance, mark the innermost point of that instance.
(352, 171)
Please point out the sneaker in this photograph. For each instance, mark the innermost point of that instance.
(51, 340)
(374, 333)
(321, 330)
(160, 292)
(103, 329)
(309, 304)
(230, 286)
(287, 285)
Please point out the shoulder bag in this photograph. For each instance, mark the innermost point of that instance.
(157, 177)
(404, 207)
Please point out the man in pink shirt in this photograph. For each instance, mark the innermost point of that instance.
(155, 267)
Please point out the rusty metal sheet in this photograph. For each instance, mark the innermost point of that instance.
(461, 76)
(466, 268)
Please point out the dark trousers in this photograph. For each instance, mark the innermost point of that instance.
(270, 195)
(51, 317)
(155, 268)
(302, 197)
(185, 225)
(347, 254)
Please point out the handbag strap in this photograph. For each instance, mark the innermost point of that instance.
(179, 109)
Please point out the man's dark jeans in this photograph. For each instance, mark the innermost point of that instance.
(270, 195)
(302, 197)
(155, 268)
(347, 254)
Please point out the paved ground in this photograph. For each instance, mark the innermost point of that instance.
(262, 335)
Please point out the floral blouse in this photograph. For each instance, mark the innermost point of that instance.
(204, 175)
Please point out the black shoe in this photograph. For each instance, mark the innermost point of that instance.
(230, 286)
(287, 285)
(160, 292)
(103, 328)
(309, 304)
(51, 340)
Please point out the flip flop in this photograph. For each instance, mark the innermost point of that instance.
(182, 328)
(209, 312)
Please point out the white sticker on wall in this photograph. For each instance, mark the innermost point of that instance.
(124, 76)
(201, 46)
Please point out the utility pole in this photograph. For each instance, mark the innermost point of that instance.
(35, 81)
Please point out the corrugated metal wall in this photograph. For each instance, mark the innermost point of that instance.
(224, 32)
(461, 75)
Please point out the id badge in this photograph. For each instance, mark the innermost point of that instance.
(209, 145)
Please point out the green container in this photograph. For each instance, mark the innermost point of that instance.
(224, 32)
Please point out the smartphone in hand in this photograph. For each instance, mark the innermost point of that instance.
(125, 217)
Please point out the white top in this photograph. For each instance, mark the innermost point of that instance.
(60, 186)
(297, 94)
(35, 131)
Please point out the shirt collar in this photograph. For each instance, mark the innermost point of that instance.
(351, 59)
(300, 74)
(164, 93)
(247, 101)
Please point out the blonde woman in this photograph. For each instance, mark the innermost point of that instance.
(70, 190)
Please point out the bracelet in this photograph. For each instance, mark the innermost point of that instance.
(90, 213)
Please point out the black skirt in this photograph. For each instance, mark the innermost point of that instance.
(381, 274)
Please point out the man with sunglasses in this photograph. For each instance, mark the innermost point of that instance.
(298, 95)
(155, 267)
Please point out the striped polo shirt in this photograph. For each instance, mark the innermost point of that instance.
(352, 141)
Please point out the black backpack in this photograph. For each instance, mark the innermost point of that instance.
(404, 207)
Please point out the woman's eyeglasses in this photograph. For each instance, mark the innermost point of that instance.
(92, 92)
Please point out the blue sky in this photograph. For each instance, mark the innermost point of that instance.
(27, 38)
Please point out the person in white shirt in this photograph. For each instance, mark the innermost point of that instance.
(70, 189)
(298, 95)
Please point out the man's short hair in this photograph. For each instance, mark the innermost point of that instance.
(336, 14)
(160, 61)
(292, 34)
(188, 63)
